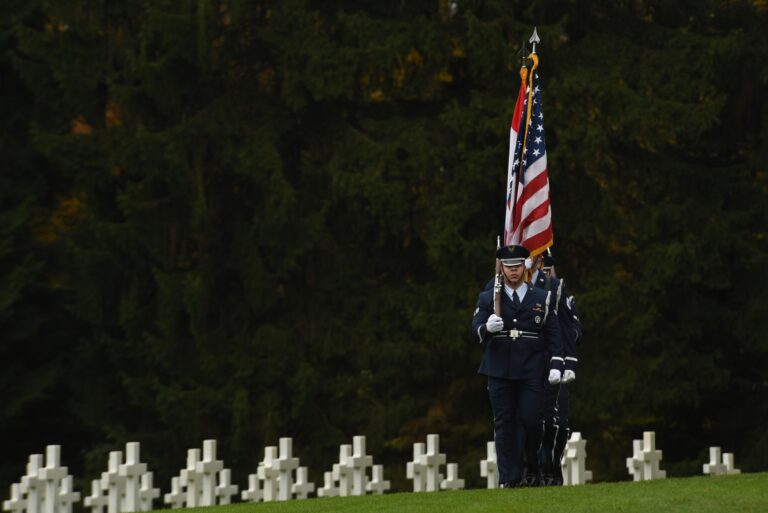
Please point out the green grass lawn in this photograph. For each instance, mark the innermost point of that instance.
(704, 494)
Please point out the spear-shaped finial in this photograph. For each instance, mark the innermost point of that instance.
(534, 39)
(523, 53)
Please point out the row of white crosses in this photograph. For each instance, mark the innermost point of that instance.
(45, 488)
(127, 486)
(572, 464)
(643, 465)
(349, 476)
(203, 482)
(273, 480)
(720, 465)
(425, 468)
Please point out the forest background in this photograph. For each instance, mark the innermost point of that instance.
(244, 220)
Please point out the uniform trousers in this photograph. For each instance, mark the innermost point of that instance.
(556, 428)
(517, 406)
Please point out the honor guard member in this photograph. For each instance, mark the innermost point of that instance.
(556, 429)
(522, 350)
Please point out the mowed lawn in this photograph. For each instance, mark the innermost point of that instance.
(703, 494)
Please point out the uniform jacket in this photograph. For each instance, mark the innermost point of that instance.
(569, 335)
(523, 357)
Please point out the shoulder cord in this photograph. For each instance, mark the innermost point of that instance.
(559, 293)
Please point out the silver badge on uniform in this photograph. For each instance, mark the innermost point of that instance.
(537, 319)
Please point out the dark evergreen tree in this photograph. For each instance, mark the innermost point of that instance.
(244, 220)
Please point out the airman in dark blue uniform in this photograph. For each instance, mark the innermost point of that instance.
(555, 414)
(522, 351)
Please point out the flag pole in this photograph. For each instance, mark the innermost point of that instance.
(497, 284)
(524, 76)
(528, 80)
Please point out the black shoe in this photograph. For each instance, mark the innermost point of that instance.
(511, 484)
(531, 479)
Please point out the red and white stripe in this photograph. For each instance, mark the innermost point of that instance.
(528, 217)
(517, 116)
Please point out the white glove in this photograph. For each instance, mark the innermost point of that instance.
(494, 324)
(554, 376)
(568, 376)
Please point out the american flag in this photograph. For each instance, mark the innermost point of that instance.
(528, 216)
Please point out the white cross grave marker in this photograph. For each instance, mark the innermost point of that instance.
(147, 494)
(728, 461)
(113, 482)
(574, 460)
(342, 471)
(225, 489)
(286, 464)
(359, 463)
(269, 474)
(415, 469)
(253, 493)
(67, 496)
(52, 474)
(720, 464)
(643, 465)
(96, 500)
(635, 462)
(132, 470)
(189, 479)
(208, 468)
(302, 487)
(715, 466)
(651, 457)
(328, 489)
(32, 486)
(377, 485)
(432, 460)
(452, 482)
(489, 467)
(15, 503)
(176, 498)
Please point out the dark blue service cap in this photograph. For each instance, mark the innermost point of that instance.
(512, 255)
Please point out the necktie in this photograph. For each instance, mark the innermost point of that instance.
(515, 299)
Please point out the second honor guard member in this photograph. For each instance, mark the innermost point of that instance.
(522, 351)
(556, 429)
